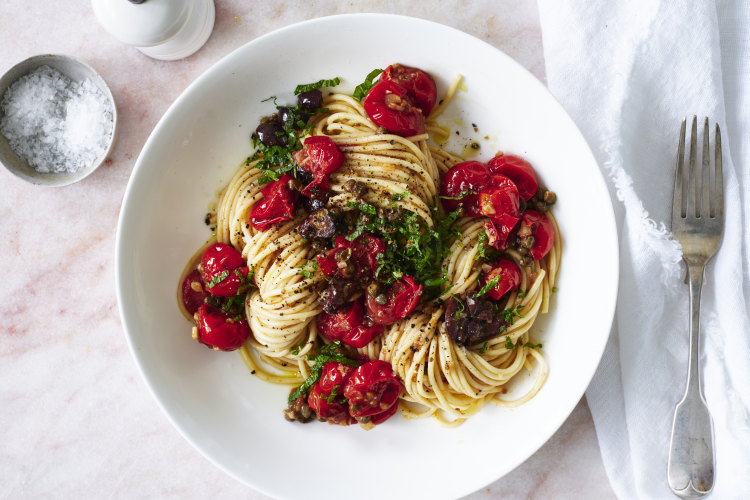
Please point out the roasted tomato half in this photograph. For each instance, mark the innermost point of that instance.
(373, 390)
(499, 196)
(222, 270)
(419, 84)
(218, 330)
(320, 156)
(518, 170)
(331, 408)
(508, 276)
(499, 230)
(276, 206)
(541, 229)
(347, 325)
(395, 303)
(461, 185)
(389, 106)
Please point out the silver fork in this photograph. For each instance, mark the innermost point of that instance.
(698, 224)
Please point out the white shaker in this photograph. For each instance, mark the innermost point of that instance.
(162, 29)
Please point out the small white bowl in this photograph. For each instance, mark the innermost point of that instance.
(77, 71)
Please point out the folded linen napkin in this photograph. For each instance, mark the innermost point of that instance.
(628, 72)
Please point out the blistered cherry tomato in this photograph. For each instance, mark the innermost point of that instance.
(464, 180)
(335, 412)
(401, 298)
(320, 156)
(334, 376)
(419, 84)
(346, 325)
(518, 170)
(193, 292)
(499, 196)
(222, 269)
(218, 330)
(276, 206)
(510, 278)
(543, 232)
(499, 229)
(389, 106)
(373, 389)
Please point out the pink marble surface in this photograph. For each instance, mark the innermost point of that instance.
(76, 420)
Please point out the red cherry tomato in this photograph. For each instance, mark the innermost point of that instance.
(334, 375)
(499, 230)
(510, 278)
(335, 412)
(543, 232)
(499, 196)
(518, 170)
(319, 156)
(193, 292)
(276, 206)
(389, 106)
(346, 325)
(334, 326)
(401, 298)
(419, 84)
(468, 176)
(218, 330)
(222, 269)
(373, 389)
(364, 252)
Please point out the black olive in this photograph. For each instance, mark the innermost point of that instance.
(310, 100)
(271, 133)
(292, 116)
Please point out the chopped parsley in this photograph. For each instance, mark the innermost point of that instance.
(509, 344)
(522, 294)
(460, 195)
(490, 285)
(509, 315)
(363, 88)
(484, 348)
(400, 196)
(319, 84)
(306, 272)
(412, 248)
(532, 346)
(458, 311)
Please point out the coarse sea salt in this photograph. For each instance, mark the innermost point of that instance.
(54, 124)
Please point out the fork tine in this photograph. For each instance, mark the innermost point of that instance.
(703, 208)
(679, 199)
(718, 191)
(692, 198)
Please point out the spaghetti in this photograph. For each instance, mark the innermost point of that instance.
(440, 376)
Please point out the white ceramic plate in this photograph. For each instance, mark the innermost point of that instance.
(235, 419)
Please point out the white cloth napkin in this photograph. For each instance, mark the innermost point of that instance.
(628, 72)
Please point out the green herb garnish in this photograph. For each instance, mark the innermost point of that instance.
(327, 353)
(490, 285)
(458, 311)
(522, 294)
(319, 84)
(509, 344)
(400, 196)
(484, 348)
(363, 207)
(218, 279)
(460, 195)
(532, 346)
(361, 90)
(509, 315)
(554, 289)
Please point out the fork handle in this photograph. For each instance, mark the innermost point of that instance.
(691, 454)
